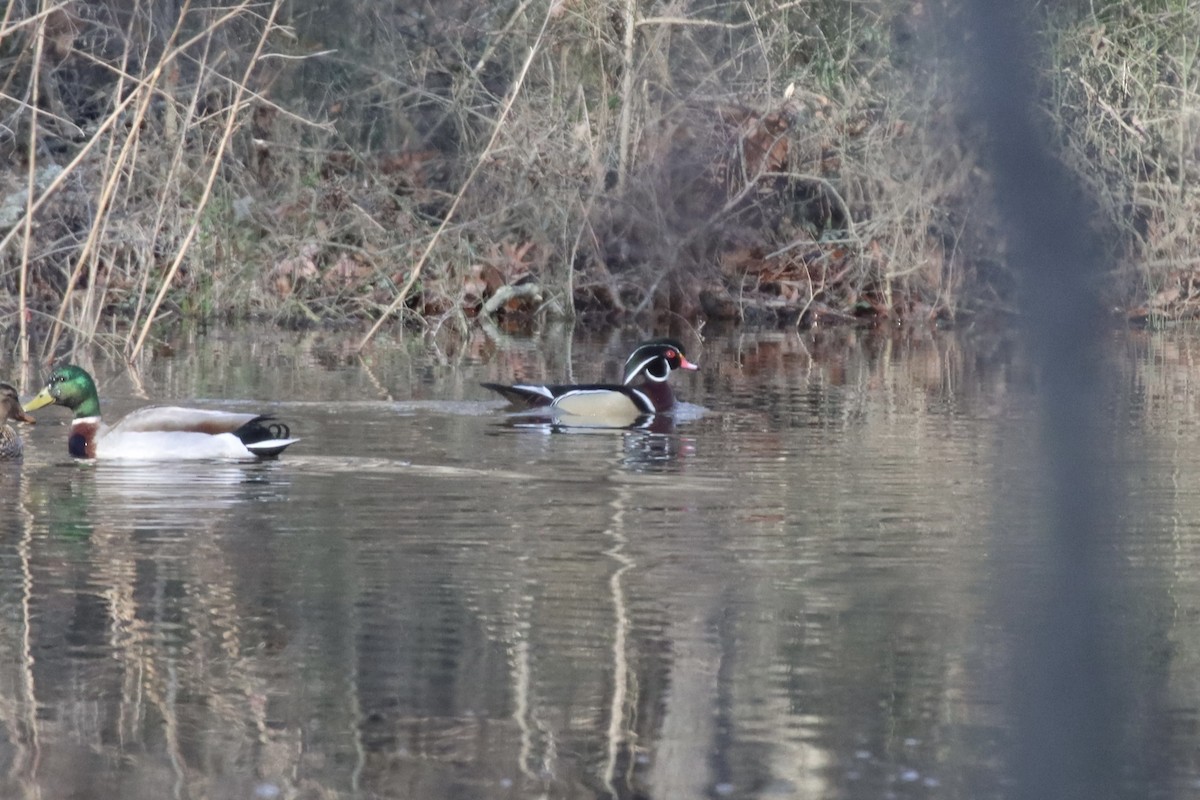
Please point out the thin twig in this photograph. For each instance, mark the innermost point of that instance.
(20, 105)
(626, 119)
(23, 280)
(487, 151)
(300, 57)
(695, 23)
(828, 187)
(508, 292)
(146, 83)
(7, 30)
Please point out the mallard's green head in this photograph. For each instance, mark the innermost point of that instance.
(72, 387)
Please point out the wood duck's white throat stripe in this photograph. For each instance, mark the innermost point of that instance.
(658, 377)
(630, 374)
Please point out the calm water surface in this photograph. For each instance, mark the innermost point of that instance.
(790, 596)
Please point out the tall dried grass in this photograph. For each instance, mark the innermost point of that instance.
(1126, 100)
(129, 120)
(770, 160)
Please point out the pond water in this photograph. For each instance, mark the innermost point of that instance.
(791, 595)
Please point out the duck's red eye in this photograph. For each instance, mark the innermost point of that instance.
(670, 354)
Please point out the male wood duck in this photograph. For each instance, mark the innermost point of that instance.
(158, 432)
(11, 446)
(610, 404)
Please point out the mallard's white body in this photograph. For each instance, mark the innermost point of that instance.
(174, 433)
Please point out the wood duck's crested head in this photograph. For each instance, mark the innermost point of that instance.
(655, 359)
(72, 387)
(10, 406)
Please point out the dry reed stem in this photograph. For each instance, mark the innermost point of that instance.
(625, 122)
(694, 23)
(226, 136)
(22, 105)
(23, 278)
(483, 156)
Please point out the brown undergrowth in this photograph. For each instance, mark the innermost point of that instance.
(1126, 101)
(771, 162)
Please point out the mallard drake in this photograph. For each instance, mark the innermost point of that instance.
(10, 405)
(618, 404)
(158, 432)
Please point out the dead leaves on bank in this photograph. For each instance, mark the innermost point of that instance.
(772, 239)
(507, 265)
(345, 260)
(772, 228)
(502, 281)
(804, 260)
(1178, 299)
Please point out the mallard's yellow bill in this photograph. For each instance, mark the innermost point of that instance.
(40, 400)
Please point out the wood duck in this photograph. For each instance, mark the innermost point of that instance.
(158, 432)
(614, 404)
(11, 446)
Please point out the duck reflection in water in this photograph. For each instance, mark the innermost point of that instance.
(552, 421)
(652, 446)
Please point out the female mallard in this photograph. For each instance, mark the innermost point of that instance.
(158, 432)
(10, 406)
(621, 404)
